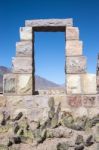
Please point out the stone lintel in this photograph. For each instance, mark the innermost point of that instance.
(49, 24)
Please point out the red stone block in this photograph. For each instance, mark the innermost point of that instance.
(75, 100)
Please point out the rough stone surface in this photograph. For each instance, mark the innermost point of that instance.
(74, 100)
(89, 100)
(94, 111)
(76, 65)
(89, 83)
(97, 100)
(24, 84)
(72, 33)
(24, 48)
(97, 134)
(70, 132)
(61, 99)
(74, 48)
(80, 112)
(49, 23)
(55, 91)
(59, 132)
(97, 82)
(73, 84)
(9, 83)
(26, 33)
(2, 101)
(36, 107)
(22, 65)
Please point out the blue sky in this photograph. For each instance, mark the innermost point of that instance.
(49, 47)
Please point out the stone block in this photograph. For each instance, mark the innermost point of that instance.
(9, 83)
(24, 84)
(49, 22)
(74, 84)
(2, 101)
(97, 134)
(93, 112)
(97, 100)
(26, 33)
(97, 83)
(89, 83)
(74, 100)
(97, 79)
(80, 112)
(36, 114)
(89, 100)
(28, 106)
(27, 102)
(72, 33)
(14, 102)
(61, 99)
(76, 64)
(24, 48)
(74, 48)
(22, 64)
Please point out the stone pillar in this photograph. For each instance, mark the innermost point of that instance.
(97, 75)
(75, 61)
(21, 79)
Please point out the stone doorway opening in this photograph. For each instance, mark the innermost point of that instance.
(23, 68)
(49, 62)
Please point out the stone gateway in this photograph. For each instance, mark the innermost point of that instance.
(23, 70)
(53, 119)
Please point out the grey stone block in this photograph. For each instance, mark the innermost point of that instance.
(49, 24)
(22, 65)
(76, 65)
(9, 83)
(24, 84)
(74, 48)
(24, 48)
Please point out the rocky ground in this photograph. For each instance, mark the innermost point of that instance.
(59, 131)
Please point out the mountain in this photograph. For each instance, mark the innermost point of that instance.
(40, 83)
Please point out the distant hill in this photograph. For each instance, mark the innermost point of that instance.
(40, 83)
